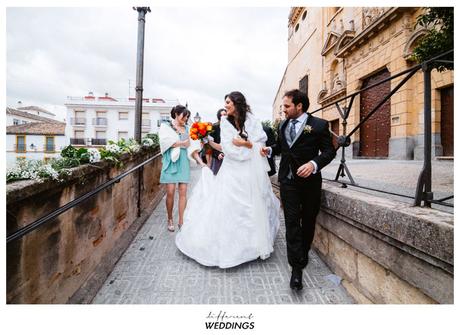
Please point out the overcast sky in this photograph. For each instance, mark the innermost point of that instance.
(196, 55)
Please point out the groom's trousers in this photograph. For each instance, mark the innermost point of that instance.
(301, 203)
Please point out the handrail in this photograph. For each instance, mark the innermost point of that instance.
(423, 190)
(37, 223)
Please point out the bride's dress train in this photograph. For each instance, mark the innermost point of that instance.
(233, 217)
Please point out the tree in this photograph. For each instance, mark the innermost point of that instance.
(440, 37)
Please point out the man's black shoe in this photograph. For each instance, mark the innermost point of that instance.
(296, 279)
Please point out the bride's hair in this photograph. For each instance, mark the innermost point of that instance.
(242, 108)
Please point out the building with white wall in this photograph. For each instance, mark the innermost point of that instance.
(34, 140)
(93, 121)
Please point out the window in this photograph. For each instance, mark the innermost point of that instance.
(304, 15)
(122, 115)
(24, 122)
(122, 134)
(296, 27)
(20, 143)
(100, 114)
(163, 118)
(100, 134)
(49, 144)
(303, 85)
(79, 118)
(79, 134)
(15, 122)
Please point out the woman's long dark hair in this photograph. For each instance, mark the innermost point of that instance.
(241, 108)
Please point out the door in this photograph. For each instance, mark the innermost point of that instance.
(447, 121)
(375, 132)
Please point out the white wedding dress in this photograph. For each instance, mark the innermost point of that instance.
(233, 217)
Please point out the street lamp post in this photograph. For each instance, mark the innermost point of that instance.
(139, 70)
(139, 89)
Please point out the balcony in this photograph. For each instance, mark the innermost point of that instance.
(20, 147)
(49, 148)
(98, 141)
(78, 121)
(100, 121)
(146, 124)
(77, 141)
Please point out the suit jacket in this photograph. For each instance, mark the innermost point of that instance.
(271, 140)
(311, 143)
(216, 136)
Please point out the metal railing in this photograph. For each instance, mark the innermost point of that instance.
(100, 121)
(423, 191)
(77, 141)
(43, 220)
(77, 121)
(98, 141)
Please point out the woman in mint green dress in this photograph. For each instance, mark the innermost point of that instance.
(177, 151)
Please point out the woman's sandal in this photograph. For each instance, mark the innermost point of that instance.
(170, 225)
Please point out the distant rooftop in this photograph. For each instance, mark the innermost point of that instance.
(20, 112)
(35, 108)
(37, 128)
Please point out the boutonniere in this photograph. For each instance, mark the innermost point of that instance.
(308, 129)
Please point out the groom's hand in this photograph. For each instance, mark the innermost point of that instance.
(305, 170)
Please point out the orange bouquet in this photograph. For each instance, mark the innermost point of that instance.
(200, 130)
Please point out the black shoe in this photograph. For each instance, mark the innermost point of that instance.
(296, 279)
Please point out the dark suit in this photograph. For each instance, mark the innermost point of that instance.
(216, 162)
(301, 197)
(271, 140)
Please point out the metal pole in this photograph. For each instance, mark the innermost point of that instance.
(139, 70)
(139, 89)
(423, 192)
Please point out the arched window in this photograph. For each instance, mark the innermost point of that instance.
(304, 15)
(296, 27)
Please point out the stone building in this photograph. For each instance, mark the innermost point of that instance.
(335, 51)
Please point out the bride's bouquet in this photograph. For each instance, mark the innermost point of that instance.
(200, 131)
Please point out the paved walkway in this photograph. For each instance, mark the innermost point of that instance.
(153, 271)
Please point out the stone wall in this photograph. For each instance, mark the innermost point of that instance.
(387, 252)
(67, 258)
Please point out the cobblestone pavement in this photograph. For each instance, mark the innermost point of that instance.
(397, 177)
(154, 271)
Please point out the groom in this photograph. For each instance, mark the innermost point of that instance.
(305, 145)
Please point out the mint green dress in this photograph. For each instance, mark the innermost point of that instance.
(178, 171)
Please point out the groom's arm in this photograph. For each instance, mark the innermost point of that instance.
(326, 148)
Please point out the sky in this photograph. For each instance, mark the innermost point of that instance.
(193, 54)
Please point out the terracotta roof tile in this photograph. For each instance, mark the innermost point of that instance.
(38, 128)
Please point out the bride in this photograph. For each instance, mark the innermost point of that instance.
(233, 217)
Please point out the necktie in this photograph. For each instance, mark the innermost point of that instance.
(292, 131)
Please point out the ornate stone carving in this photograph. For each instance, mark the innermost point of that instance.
(370, 14)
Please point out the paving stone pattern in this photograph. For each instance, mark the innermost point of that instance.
(154, 271)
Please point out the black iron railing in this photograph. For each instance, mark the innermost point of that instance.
(43, 220)
(423, 191)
